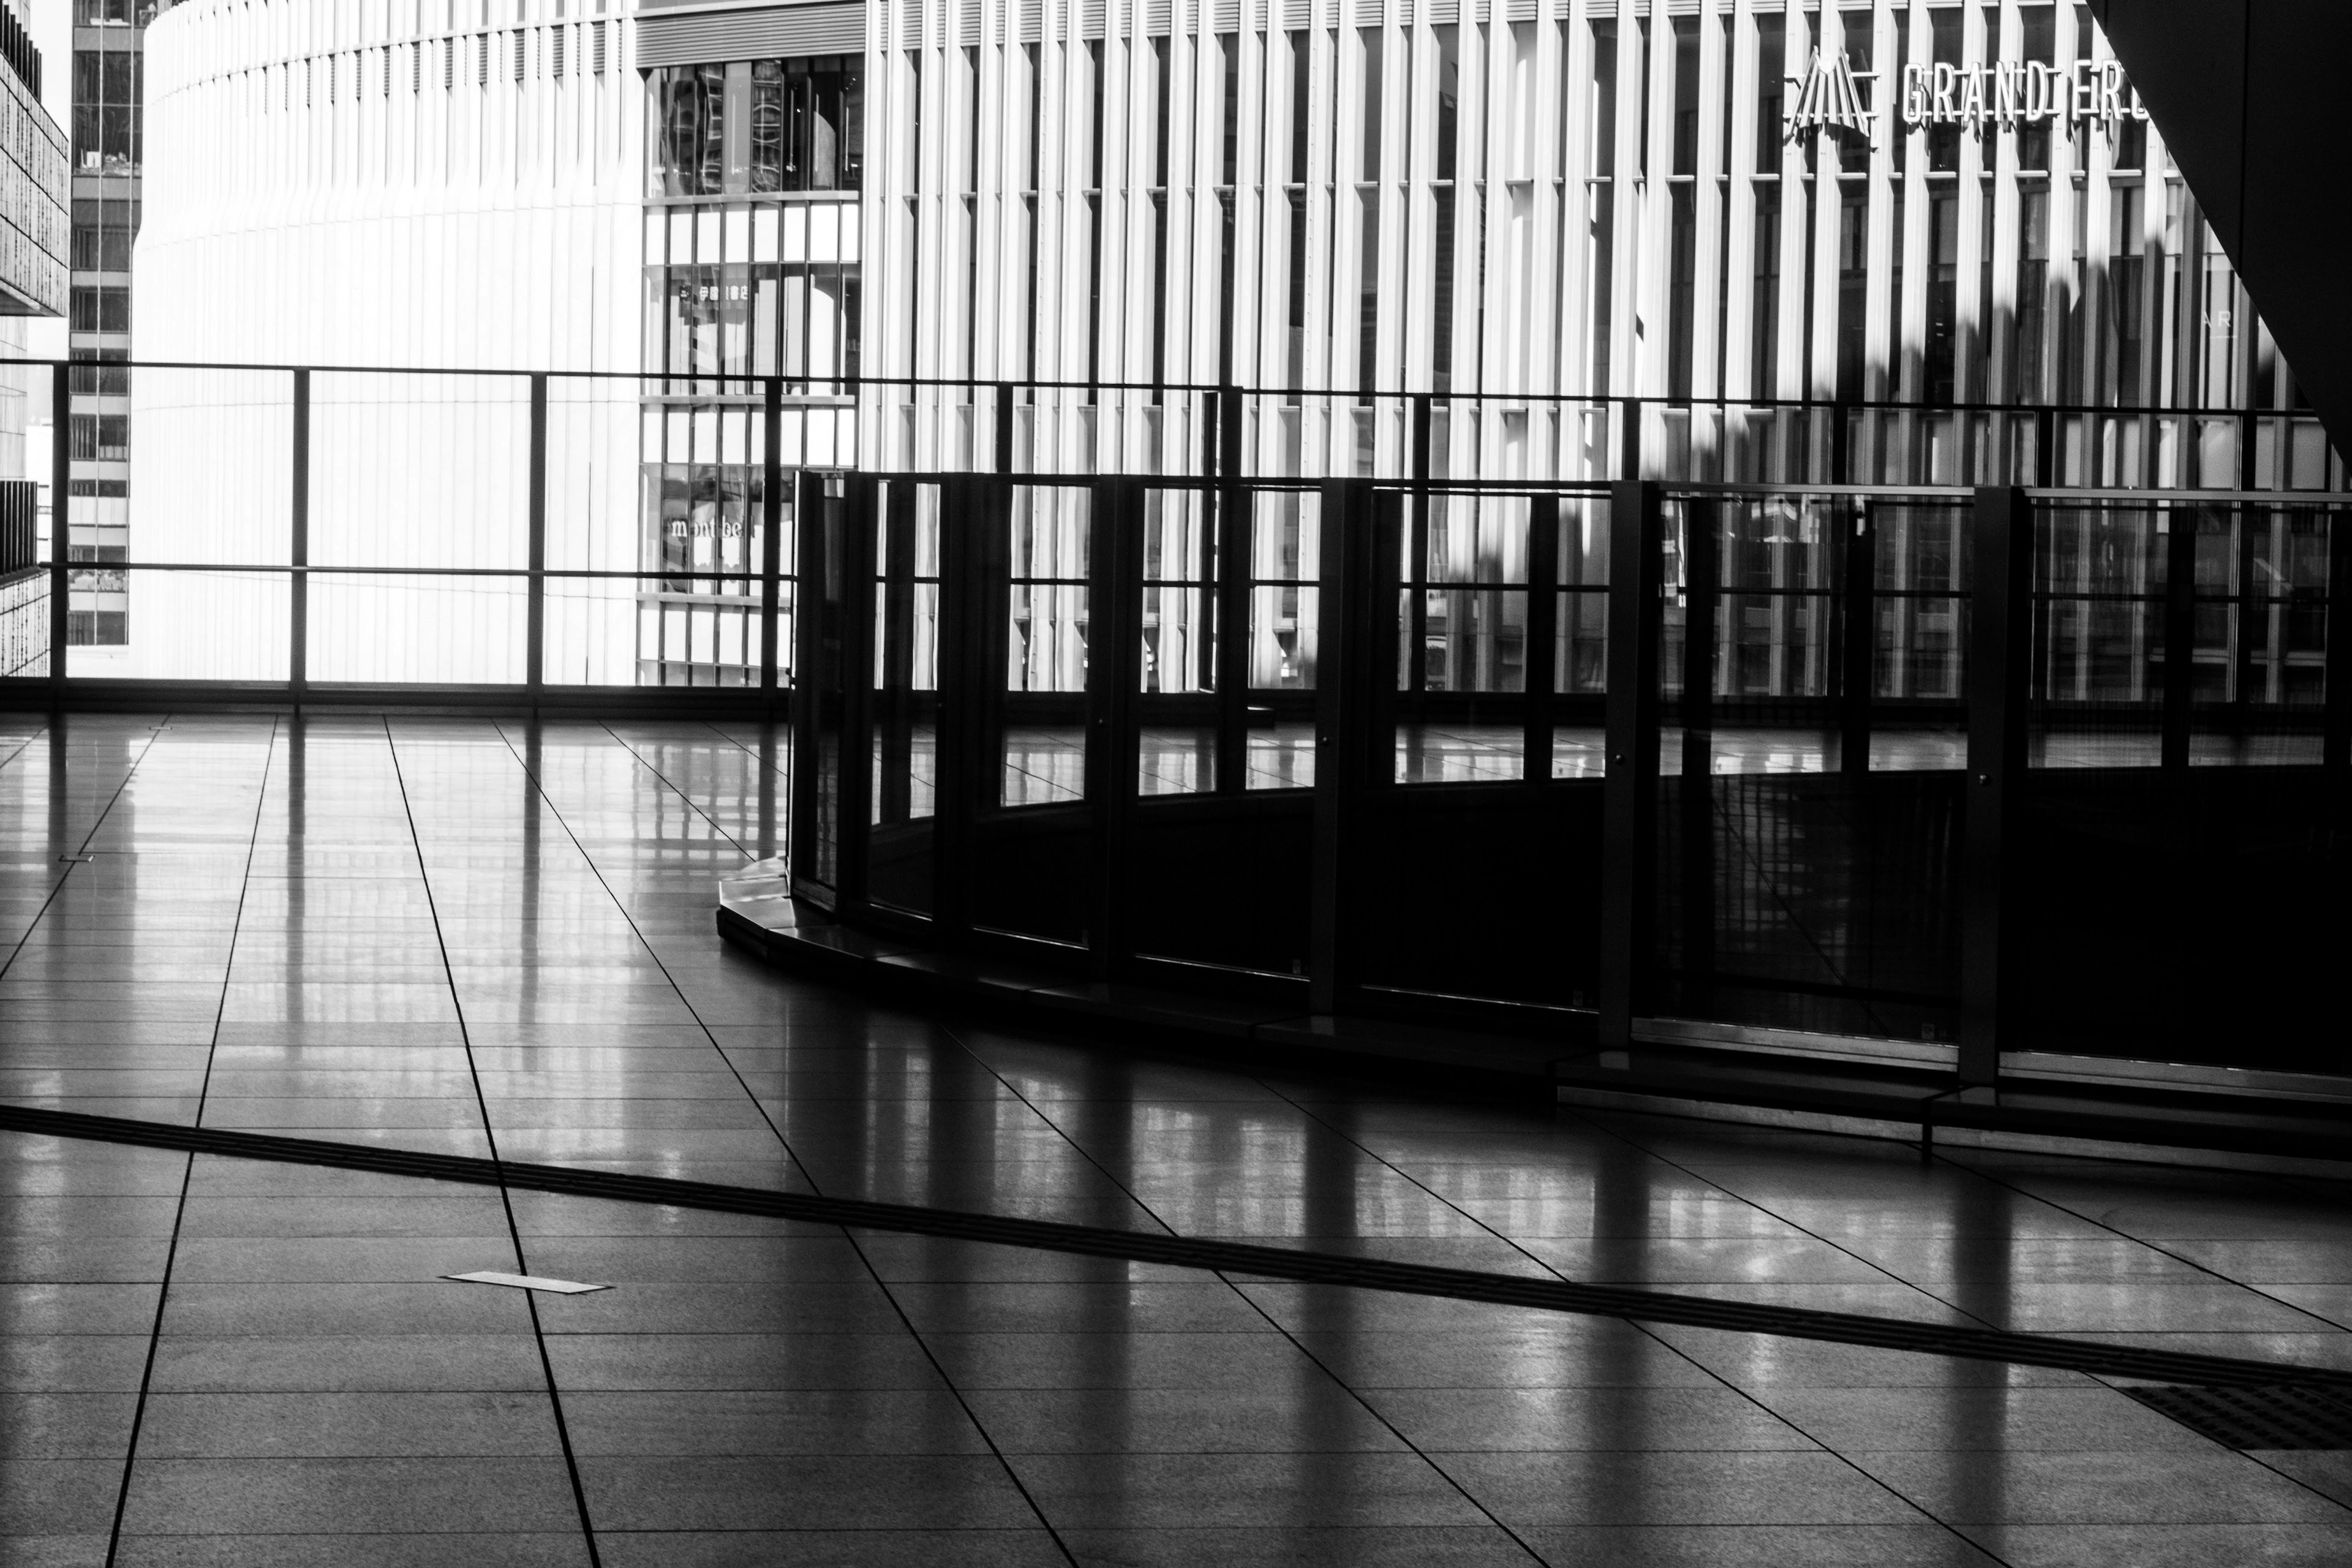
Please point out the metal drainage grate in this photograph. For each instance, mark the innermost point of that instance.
(2280, 1416)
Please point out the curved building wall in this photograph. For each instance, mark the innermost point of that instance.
(401, 183)
(1538, 200)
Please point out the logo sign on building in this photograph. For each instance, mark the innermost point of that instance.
(2010, 94)
(1830, 98)
(2007, 93)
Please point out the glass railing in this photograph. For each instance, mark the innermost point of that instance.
(1419, 749)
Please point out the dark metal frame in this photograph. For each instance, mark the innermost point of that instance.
(1366, 527)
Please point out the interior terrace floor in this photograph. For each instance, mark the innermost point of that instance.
(479, 938)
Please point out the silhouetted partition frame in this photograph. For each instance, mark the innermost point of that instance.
(1153, 887)
(1999, 637)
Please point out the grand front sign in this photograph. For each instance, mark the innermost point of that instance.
(1828, 95)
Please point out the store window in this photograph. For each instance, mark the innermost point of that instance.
(758, 127)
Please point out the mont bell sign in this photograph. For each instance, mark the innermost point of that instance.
(1830, 96)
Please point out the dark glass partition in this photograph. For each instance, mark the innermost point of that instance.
(1348, 746)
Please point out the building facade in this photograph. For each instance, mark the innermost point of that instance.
(109, 68)
(33, 282)
(1524, 211)
(1725, 201)
(436, 184)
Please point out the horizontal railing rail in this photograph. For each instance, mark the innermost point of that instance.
(716, 535)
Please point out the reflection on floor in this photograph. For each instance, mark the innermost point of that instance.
(481, 938)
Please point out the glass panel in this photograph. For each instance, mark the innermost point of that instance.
(215, 625)
(1043, 737)
(1178, 754)
(404, 627)
(1285, 566)
(1917, 669)
(2100, 580)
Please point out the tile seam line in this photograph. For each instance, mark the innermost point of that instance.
(2104, 1378)
(2156, 1246)
(906, 1321)
(1645, 1329)
(1627, 1139)
(2163, 1251)
(1283, 1264)
(188, 1173)
(692, 805)
(490, 1139)
(538, 787)
(1292, 1339)
(59, 885)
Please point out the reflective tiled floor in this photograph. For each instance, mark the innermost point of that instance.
(469, 937)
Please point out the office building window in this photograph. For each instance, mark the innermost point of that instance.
(106, 111)
(102, 309)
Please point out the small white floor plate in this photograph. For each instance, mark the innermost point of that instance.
(527, 1282)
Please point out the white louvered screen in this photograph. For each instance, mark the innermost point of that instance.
(834, 29)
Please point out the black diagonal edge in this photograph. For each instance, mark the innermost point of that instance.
(1224, 1257)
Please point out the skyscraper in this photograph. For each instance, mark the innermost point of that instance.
(108, 55)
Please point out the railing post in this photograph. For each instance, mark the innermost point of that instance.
(771, 532)
(1235, 510)
(60, 525)
(1543, 633)
(1630, 795)
(2001, 618)
(534, 659)
(1702, 561)
(853, 789)
(975, 566)
(1857, 653)
(1345, 664)
(2335, 742)
(1114, 679)
(297, 553)
(2180, 633)
(809, 677)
